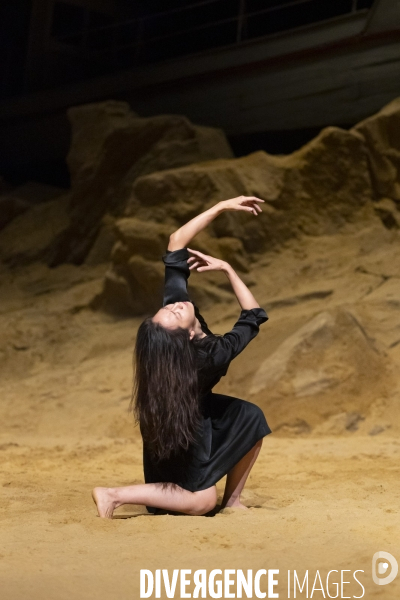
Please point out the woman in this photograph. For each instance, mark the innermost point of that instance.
(191, 436)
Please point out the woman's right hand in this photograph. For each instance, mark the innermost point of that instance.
(246, 203)
(204, 262)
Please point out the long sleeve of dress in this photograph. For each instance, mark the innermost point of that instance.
(228, 346)
(177, 273)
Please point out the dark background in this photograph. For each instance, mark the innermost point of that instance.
(49, 46)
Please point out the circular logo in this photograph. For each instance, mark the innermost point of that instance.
(380, 565)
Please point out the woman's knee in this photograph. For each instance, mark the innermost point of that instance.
(204, 501)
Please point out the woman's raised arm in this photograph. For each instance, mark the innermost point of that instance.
(204, 262)
(182, 236)
(242, 292)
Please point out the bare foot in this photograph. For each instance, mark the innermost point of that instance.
(236, 504)
(240, 505)
(104, 501)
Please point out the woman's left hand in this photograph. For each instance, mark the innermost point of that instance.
(205, 262)
(246, 203)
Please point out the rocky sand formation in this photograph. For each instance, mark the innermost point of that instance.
(79, 270)
(324, 254)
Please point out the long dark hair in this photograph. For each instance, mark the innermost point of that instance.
(165, 396)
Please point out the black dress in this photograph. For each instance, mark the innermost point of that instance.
(230, 426)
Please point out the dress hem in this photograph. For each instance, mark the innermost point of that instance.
(222, 470)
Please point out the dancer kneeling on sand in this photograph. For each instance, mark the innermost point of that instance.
(192, 437)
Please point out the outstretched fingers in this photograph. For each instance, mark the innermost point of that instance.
(253, 199)
(194, 265)
(195, 261)
(197, 253)
(200, 261)
(250, 204)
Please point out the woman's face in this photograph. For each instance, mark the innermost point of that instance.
(179, 314)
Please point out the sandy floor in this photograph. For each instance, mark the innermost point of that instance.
(320, 499)
(326, 504)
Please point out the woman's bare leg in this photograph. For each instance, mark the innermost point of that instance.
(152, 494)
(237, 477)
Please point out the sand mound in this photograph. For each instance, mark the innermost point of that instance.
(317, 190)
(341, 343)
(14, 202)
(381, 133)
(110, 148)
(328, 363)
(30, 236)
